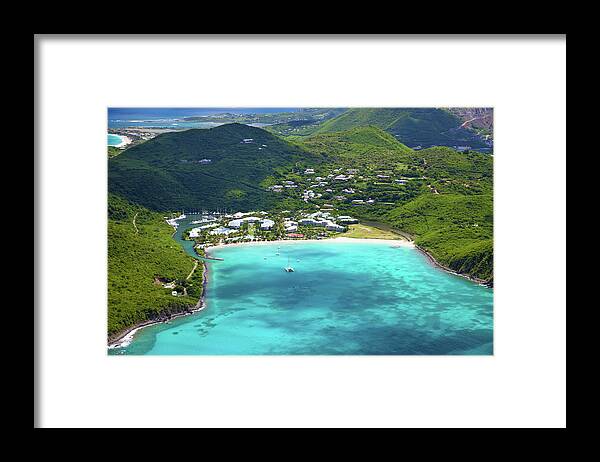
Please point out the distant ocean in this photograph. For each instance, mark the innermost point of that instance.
(173, 117)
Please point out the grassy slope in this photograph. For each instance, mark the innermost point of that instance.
(135, 259)
(456, 229)
(164, 173)
(364, 146)
(361, 231)
(113, 152)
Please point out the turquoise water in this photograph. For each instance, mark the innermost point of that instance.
(114, 140)
(344, 298)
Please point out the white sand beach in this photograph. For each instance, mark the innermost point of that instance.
(125, 140)
(391, 242)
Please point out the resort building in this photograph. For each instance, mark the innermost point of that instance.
(222, 231)
(195, 232)
(238, 223)
(311, 222)
(266, 224)
(335, 227)
(347, 219)
(290, 226)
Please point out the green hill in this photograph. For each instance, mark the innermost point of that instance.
(169, 173)
(456, 229)
(135, 258)
(413, 126)
(359, 147)
(455, 225)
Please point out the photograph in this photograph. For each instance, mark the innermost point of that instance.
(300, 231)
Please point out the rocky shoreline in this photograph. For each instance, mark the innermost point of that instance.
(436, 263)
(117, 340)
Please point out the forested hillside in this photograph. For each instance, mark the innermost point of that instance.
(209, 169)
(141, 254)
(413, 126)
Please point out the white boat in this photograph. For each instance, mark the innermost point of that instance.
(288, 268)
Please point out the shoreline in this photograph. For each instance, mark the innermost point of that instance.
(126, 337)
(125, 140)
(341, 239)
(437, 264)
(405, 242)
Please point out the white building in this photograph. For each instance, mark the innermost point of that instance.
(222, 231)
(342, 178)
(334, 227)
(238, 223)
(266, 224)
(347, 219)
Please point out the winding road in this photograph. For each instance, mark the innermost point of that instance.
(134, 225)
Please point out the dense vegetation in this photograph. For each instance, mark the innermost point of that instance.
(457, 230)
(413, 126)
(165, 173)
(139, 262)
(113, 151)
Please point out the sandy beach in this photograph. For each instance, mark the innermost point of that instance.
(393, 242)
(125, 140)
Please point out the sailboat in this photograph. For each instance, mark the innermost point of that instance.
(288, 268)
